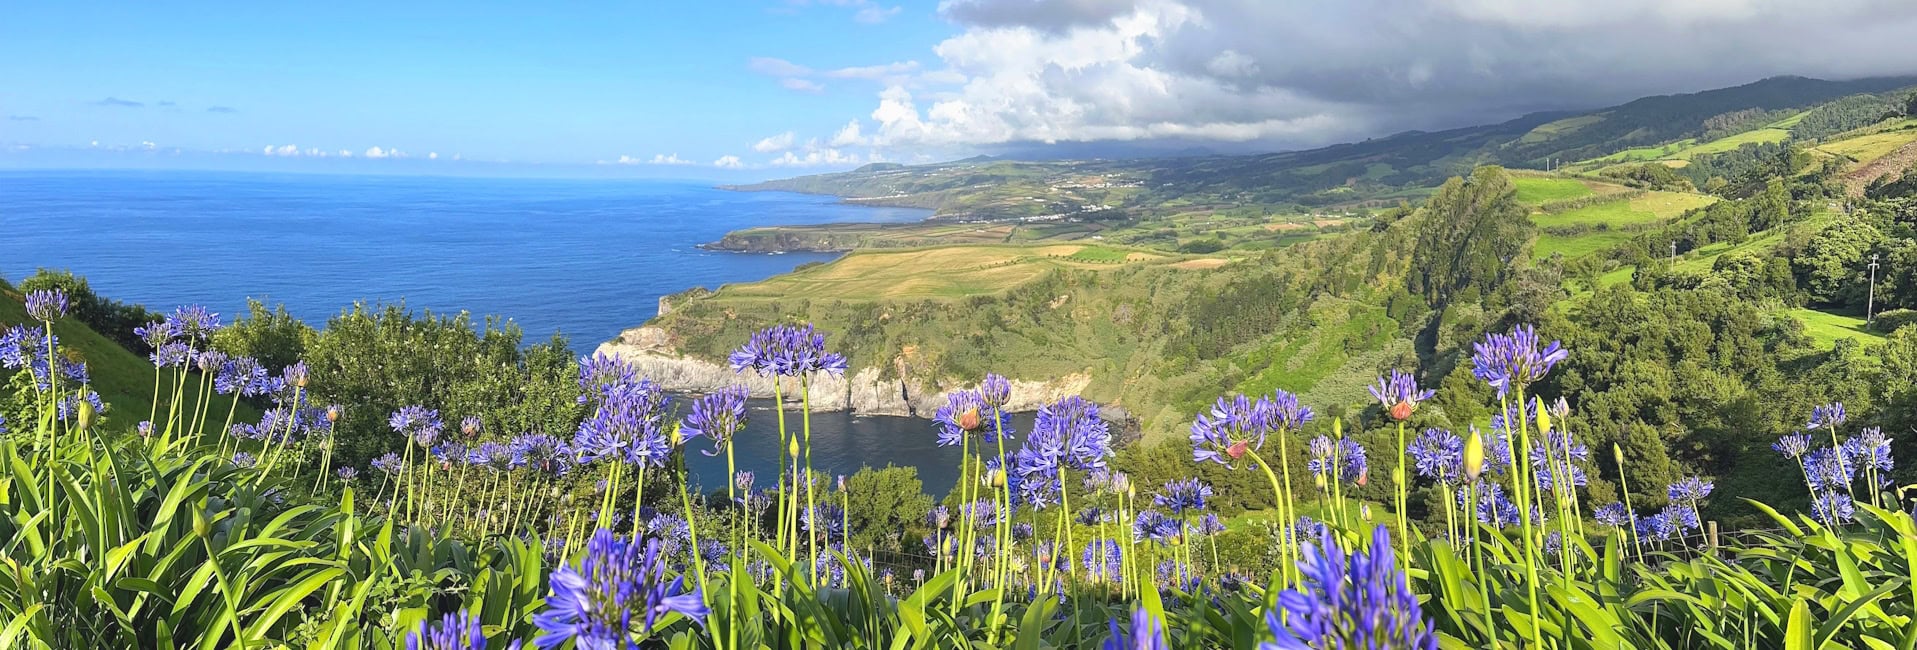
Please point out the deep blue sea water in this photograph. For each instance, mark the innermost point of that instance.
(586, 258)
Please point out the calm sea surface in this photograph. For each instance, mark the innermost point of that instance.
(586, 258)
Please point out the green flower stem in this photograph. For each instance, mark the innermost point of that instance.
(1524, 486)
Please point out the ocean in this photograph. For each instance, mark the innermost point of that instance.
(585, 258)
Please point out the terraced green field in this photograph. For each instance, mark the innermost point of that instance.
(1537, 190)
(1826, 328)
(938, 273)
(1616, 218)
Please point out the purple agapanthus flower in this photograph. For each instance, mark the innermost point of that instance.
(1870, 450)
(1307, 528)
(47, 305)
(1690, 490)
(1829, 415)
(1239, 424)
(541, 452)
(1512, 361)
(717, 415)
(1341, 460)
(1793, 445)
(966, 412)
(1155, 526)
(419, 424)
(1067, 434)
(1398, 394)
(619, 590)
(243, 459)
(1102, 560)
(460, 631)
(601, 374)
(1183, 495)
(1826, 468)
(1360, 600)
(996, 390)
(193, 323)
(1438, 455)
(1210, 524)
(1615, 514)
(172, 355)
(1832, 507)
(787, 351)
(388, 463)
(348, 473)
(627, 425)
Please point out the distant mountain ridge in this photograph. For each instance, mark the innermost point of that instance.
(1403, 165)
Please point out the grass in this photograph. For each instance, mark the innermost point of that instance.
(123, 379)
(1875, 145)
(1619, 216)
(1728, 143)
(938, 272)
(1536, 190)
(1826, 328)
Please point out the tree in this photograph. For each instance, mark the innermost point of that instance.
(1470, 234)
(274, 337)
(883, 503)
(1830, 266)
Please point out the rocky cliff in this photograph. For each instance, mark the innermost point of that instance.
(862, 390)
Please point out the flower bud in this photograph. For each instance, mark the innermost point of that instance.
(995, 478)
(200, 526)
(83, 415)
(1617, 453)
(1364, 511)
(793, 449)
(969, 420)
(1401, 411)
(1397, 476)
(1544, 421)
(332, 413)
(1237, 449)
(1473, 455)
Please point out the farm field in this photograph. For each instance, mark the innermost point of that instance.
(939, 272)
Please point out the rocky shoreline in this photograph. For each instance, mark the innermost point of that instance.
(863, 391)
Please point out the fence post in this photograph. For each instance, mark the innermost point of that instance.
(1710, 531)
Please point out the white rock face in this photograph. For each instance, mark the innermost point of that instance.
(861, 391)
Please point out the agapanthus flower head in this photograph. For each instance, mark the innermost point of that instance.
(1155, 526)
(1101, 560)
(627, 425)
(1022, 531)
(457, 631)
(996, 391)
(1210, 524)
(965, 413)
(1494, 506)
(419, 424)
(79, 407)
(1829, 415)
(541, 452)
(239, 375)
(1398, 393)
(144, 428)
(1142, 633)
(1512, 361)
(1684, 517)
(1307, 528)
(982, 513)
(348, 473)
(602, 374)
(172, 355)
(1066, 434)
(1793, 445)
(1238, 424)
(1438, 455)
(1615, 514)
(294, 375)
(1342, 460)
(193, 323)
(471, 426)
(209, 360)
(828, 519)
(939, 518)
(788, 351)
(717, 415)
(1356, 600)
(743, 480)
(1559, 408)
(1870, 450)
(1827, 468)
(1690, 490)
(388, 463)
(1657, 528)
(243, 459)
(47, 305)
(618, 591)
(1183, 495)
(1832, 507)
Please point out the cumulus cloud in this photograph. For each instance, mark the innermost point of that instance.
(849, 135)
(115, 102)
(668, 159)
(376, 152)
(281, 150)
(1287, 73)
(816, 157)
(774, 143)
(728, 162)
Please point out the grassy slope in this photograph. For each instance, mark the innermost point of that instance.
(1536, 190)
(1618, 215)
(1880, 140)
(123, 379)
(943, 272)
(1826, 328)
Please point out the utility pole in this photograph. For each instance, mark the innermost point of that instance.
(1870, 302)
(1673, 254)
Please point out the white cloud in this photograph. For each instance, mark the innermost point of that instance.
(1291, 73)
(774, 143)
(432, 155)
(345, 154)
(816, 157)
(147, 145)
(802, 85)
(668, 159)
(776, 67)
(848, 136)
(376, 152)
(282, 150)
(728, 162)
(875, 14)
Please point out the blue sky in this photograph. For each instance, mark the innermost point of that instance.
(734, 88)
(552, 83)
